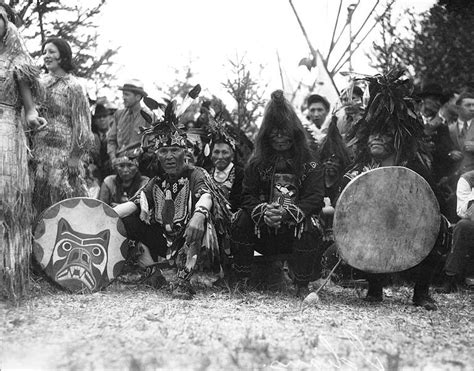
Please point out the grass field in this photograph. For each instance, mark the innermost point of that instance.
(129, 327)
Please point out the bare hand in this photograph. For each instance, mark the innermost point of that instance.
(273, 215)
(455, 155)
(469, 146)
(35, 122)
(195, 229)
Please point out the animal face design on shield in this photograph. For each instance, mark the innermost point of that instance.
(79, 259)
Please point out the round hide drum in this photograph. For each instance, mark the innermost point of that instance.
(386, 220)
(80, 243)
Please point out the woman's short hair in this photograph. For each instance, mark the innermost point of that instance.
(65, 52)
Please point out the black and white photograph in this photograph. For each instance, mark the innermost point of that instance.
(236, 185)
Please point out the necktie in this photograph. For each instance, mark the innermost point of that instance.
(464, 129)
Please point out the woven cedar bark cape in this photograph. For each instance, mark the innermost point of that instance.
(15, 209)
(67, 135)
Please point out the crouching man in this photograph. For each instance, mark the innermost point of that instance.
(171, 215)
(282, 190)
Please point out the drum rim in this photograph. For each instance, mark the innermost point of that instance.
(337, 237)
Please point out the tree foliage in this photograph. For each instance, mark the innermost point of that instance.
(248, 94)
(73, 21)
(181, 84)
(439, 47)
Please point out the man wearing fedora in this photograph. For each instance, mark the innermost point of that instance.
(125, 131)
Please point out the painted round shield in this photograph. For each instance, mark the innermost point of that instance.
(386, 220)
(80, 243)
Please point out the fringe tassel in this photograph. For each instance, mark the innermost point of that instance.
(144, 208)
(16, 221)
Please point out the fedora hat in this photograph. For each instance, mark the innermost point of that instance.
(135, 86)
(101, 111)
(433, 90)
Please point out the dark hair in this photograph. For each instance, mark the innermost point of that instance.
(316, 98)
(100, 111)
(281, 115)
(65, 52)
(465, 94)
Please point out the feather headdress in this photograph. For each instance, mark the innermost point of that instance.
(217, 133)
(164, 130)
(390, 110)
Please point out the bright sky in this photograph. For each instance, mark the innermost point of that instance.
(157, 36)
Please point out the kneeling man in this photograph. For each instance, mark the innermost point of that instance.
(171, 215)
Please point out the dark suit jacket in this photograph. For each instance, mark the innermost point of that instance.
(465, 145)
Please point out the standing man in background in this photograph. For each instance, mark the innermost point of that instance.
(462, 130)
(318, 109)
(125, 131)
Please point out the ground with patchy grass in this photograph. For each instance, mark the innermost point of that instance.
(129, 327)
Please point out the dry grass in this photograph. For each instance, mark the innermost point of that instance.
(136, 328)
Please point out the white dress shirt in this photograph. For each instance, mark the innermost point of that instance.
(464, 194)
(461, 125)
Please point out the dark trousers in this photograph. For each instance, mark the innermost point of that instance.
(421, 274)
(460, 258)
(305, 252)
(149, 234)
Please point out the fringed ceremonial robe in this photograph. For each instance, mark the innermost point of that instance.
(166, 206)
(300, 233)
(15, 190)
(67, 135)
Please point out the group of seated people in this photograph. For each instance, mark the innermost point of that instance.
(188, 201)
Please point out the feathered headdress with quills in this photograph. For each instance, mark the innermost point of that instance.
(390, 110)
(333, 145)
(165, 130)
(217, 133)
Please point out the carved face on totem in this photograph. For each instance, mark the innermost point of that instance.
(81, 244)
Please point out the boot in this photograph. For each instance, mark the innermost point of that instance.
(422, 298)
(375, 292)
(450, 285)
